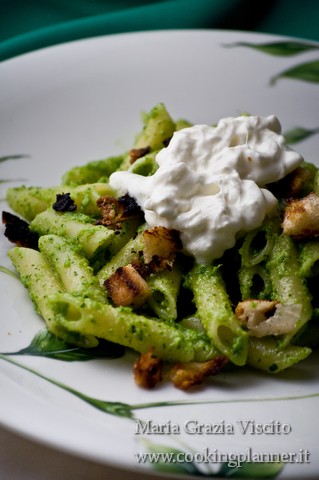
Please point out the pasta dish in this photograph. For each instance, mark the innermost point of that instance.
(197, 248)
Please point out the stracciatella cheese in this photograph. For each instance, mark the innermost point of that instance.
(209, 184)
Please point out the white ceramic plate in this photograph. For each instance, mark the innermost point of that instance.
(69, 104)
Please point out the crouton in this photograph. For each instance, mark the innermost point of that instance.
(160, 242)
(187, 375)
(116, 210)
(126, 287)
(301, 217)
(136, 153)
(148, 370)
(266, 317)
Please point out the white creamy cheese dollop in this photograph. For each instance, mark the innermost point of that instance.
(209, 184)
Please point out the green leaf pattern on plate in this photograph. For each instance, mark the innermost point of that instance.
(166, 459)
(45, 344)
(113, 408)
(307, 72)
(283, 49)
(12, 157)
(298, 134)
(7, 271)
(125, 410)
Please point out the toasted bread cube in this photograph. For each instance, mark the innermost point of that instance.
(115, 211)
(301, 217)
(160, 242)
(267, 317)
(127, 288)
(148, 370)
(187, 375)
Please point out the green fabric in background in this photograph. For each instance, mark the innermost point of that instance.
(27, 25)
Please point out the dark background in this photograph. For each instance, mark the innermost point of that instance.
(27, 25)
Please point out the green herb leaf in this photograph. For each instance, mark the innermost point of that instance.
(298, 134)
(45, 344)
(285, 49)
(307, 72)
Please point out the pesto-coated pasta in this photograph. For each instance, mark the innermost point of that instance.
(30, 201)
(129, 252)
(158, 127)
(165, 287)
(255, 282)
(97, 171)
(122, 326)
(145, 165)
(309, 259)
(215, 311)
(42, 281)
(258, 244)
(76, 226)
(288, 286)
(73, 268)
(187, 312)
(264, 354)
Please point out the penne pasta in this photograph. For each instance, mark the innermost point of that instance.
(165, 288)
(42, 281)
(264, 354)
(121, 325)
(255, 282)
(288, 287)
(30, 201)
(104, 271)
(215, 311)
(76, 226)
(258, 244)
(72, 267)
